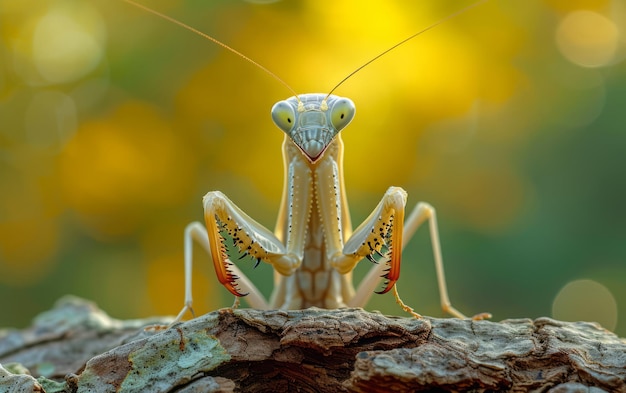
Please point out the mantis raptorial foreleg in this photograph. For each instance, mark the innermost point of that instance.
(375, 233)
(421, 212)
(367, 237)
(248, 236)
(195, 231)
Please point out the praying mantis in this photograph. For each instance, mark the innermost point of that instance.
(313, 248)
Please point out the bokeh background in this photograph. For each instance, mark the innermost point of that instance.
(509, 119)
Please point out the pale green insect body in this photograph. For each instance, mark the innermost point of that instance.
(313, 249)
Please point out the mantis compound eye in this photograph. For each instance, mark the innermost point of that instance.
(284, 116)
(341, 113)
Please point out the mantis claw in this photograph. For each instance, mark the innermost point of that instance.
(231, 283)
(481, 316)
(388, 285)
(232, 288)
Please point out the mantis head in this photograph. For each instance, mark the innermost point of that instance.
(313, 120)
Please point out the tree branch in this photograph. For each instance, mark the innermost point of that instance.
(77, 347)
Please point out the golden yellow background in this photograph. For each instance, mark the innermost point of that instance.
(509, 119)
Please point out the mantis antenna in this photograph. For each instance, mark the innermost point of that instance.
(409, 38)
(273, 75)
(214, 40)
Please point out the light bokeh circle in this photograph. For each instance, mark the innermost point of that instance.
(586, 300)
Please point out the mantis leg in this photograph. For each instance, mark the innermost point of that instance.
(379, 235)
(248, 236)
(195, 231)
(422, 212)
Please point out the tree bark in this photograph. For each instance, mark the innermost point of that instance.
(75, 347)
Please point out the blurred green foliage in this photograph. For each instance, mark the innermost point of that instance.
(509, 119)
